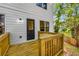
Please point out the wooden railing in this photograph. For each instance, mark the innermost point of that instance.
(50, 44)
(4, 43)
(70, 40)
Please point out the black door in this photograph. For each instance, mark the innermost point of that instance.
(30, 29)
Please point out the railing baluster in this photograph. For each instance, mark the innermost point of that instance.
(53, 44)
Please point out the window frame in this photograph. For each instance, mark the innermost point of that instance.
(45, 26)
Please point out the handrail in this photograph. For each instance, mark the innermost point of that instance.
(70, 40)
(3, 36)
(4, 43)
(51, 44)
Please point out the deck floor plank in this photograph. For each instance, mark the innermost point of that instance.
(25, 49)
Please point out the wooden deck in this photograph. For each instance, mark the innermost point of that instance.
(24, 49)
(48, 44)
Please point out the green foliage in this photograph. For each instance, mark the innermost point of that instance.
(70, 10)
(71, 20)
(58, 12)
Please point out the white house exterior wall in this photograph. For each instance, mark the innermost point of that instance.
(13, 12)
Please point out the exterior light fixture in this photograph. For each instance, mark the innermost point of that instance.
(20, 20)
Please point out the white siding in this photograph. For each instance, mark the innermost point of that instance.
(15, 11)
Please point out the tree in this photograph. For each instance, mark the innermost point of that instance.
(71, 21)
(58, 12)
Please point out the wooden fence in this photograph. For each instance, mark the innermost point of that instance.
(51, 44)
(4, 43)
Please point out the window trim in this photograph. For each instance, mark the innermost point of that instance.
(45, 27)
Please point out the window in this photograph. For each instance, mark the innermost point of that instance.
(47, 26)
(2, 24)
(44, 26)
(42, 5)
(39, 4)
